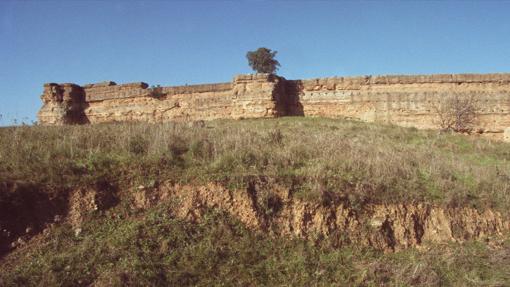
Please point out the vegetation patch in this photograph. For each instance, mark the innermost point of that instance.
(155, 248)
(316, 160)
(365, 162)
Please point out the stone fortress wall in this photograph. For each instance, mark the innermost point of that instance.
(248, 96)
(401, 100)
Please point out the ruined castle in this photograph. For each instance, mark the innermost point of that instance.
(400, 100)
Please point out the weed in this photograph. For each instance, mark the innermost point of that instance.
(275, 137)
(138, 145)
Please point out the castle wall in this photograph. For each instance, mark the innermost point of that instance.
(407, 100)
(137, 103)
(248, 96)
(400, 100)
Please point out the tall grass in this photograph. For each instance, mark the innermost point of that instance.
(311, 156)
(360, 161)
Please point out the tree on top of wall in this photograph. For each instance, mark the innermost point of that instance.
(263, 60)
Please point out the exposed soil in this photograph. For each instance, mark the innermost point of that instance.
(271, 209)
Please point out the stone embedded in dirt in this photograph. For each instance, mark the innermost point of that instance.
(20, 242)
(148, 197)
(83, 201)
(57, 218)
(506, 136)
(28, 230)
(46, 231)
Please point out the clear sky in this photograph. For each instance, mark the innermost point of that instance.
(189, 42)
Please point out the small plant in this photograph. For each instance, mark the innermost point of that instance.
(275, 137)
(177, 148)
(138, 145)
(269, 202)
(202, 149)
(456, 113)
(156, 91)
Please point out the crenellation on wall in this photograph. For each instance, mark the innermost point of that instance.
(100, 84)
(140, 85)
(250, 78)
(191, 89)
(110, 90)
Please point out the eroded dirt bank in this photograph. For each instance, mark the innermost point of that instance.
(275, 211)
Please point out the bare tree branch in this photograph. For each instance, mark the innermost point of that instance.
(456, 112)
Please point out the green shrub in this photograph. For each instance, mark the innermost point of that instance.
(138, 145)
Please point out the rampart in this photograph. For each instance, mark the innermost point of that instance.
(248, 96)
(401, 100)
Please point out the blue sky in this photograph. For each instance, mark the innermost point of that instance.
(189, 42)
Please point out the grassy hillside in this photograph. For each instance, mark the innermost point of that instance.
(364, 161)
(360, 163)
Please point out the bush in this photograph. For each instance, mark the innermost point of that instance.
(262, 60)
(138, 145)
(457, 113)
(156, 91)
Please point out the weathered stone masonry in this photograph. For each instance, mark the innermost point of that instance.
(401, 100)
(248, 96)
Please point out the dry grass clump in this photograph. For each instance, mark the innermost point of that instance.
(361, 162)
